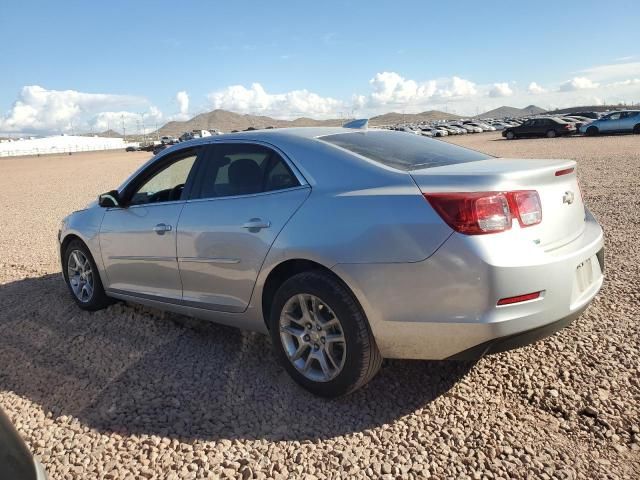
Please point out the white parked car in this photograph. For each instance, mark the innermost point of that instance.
(443, 131)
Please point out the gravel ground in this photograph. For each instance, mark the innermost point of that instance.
(133, 393)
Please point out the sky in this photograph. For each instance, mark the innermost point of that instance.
(71, 65)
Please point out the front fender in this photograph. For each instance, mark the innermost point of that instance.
(85, 224)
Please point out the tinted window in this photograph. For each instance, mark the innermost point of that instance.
(168, 183)
(243, 169)
(403, 151)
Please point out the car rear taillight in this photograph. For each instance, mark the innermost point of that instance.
(526, 206)
(479, 213)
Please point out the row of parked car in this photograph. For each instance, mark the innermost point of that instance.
(624, 121)
(587, 123)
(443, 129)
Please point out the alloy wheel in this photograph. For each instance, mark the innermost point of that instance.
(312, 337)
(80, 276)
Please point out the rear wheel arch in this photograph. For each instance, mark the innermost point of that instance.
(285, 270)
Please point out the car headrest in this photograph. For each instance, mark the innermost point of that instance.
(245, 175)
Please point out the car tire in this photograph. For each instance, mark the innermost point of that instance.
(592, 131)
(77, 256)
(511, 136)
(331, 312)
(552, 134)
(636, 129)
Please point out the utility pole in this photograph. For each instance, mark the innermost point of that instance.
(124, 132)
(144, 130)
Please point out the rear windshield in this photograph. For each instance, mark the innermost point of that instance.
(404, 151)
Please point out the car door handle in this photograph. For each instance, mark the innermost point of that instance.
(256, 224)
(161, 228)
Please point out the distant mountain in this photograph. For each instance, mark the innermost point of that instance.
(395, 117)
(106, 133)
(505, 111)
(592, 108)
(227, 121)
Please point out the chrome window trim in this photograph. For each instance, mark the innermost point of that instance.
(147, 205)
(290, 163)
(249, 195)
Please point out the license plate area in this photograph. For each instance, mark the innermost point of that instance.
(584, 274)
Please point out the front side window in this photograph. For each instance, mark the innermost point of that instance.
(613, 116)
(243, 169)
(167, 184)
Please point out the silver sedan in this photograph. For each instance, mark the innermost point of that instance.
(345, 245)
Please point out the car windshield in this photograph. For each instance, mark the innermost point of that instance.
(401, 151)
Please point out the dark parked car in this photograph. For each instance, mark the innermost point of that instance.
(540, 127)
(16, 461)
(131, 149)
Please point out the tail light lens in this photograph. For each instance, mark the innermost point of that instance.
(527, 205)
(479, 213)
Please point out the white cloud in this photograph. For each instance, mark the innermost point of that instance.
(393, 90)
(500, 90)
(40, 110)
(535, 89)
(182, 98)
(614, 71)
(578, 83)
(625, 83)
(256, 100)
(131, 121)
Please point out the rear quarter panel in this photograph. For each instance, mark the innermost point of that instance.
(359, 211)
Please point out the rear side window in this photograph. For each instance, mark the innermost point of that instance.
(243, 169)
(404, 151)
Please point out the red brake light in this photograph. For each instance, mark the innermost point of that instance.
(519, 298)
(478, 213)
(565, 171)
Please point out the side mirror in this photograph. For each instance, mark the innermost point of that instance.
(109, 199)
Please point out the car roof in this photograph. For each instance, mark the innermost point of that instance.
(273, 134)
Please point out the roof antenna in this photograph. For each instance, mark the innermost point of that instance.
(360, 124)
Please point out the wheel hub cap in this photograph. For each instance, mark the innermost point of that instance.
(80, 276)
(312, 337)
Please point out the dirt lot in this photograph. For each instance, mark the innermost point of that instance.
(131, 393)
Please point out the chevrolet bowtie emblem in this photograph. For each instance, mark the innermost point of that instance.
(567, 198)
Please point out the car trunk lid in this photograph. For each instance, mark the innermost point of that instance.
(563, 214)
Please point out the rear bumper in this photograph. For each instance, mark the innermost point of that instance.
(447, 304)
(516, 340)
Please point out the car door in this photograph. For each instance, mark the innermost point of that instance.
(627, 121)
(610, 123)
(526, 128)
(138, 238)
(245, 194)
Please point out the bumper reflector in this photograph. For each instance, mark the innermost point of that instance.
(519, 298)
